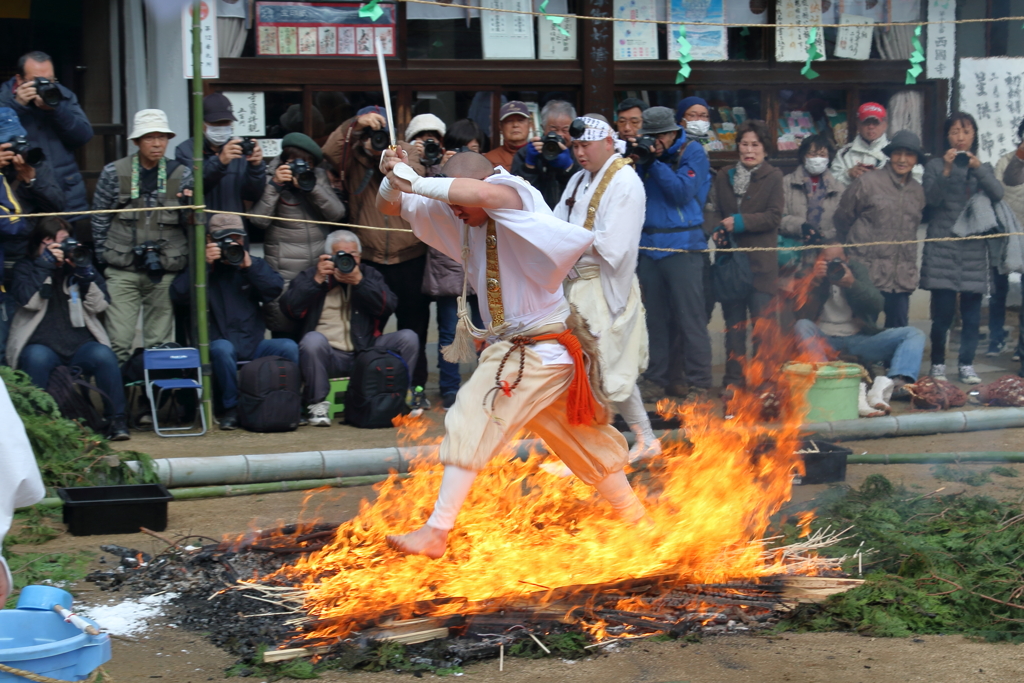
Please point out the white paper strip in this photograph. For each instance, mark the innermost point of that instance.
(854, 42)
(791, 43)
(940, 50)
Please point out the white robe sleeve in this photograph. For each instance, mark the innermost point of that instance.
(620, 220)
(435, 223)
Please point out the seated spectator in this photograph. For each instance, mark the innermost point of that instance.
(549, 176)
(340, 314)
(236, 290)
(516, 125)
(464, 133)
(840, 316)
(58, 323)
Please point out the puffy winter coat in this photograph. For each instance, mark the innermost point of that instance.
(960, 265)
(289, 247)
(796, 187)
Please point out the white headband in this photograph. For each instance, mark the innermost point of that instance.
(597, 129)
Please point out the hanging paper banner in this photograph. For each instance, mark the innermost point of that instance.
(207, 37)
(992, 90)
(941, 41)
(791, 43)
(507, 35)
(707, 43)
(250, 110)
(854, 42)
(556, 41)
(633, 40)
(292, 29)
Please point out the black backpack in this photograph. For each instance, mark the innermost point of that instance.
(268, 395)
(74, 398)
(376, 389)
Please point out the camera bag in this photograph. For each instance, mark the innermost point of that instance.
(73, 396)
(376, 389)
(268, 395)
(731, 276)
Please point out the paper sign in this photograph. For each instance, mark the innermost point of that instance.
(271, 147)
(991, 90)
(854, 42)
(552, 43)
(633, 40)
(249, 109)
(940, 50)
(207, 37)
(791, 43)
(707, 43)
(308, 29)
(507, 35)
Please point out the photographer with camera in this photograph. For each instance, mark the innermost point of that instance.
(840, 316)
(142, 250)
(547, 162)
(234, 171)
(812, 194)
(61, 296)
(426, 132)
(55, 124)
(238, 284)
(341, 304)
(676, 175)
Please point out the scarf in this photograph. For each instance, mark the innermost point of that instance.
(741, 179)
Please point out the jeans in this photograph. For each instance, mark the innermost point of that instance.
(737, 314)
(95, 360)
(997, 309)
(897, 309)
(224, 362)
(943, 308)
(449, 378)
(7, 309)
(674, 297)
(405, 280)
(901, 348)
(319, 361)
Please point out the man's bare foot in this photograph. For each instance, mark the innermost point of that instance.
(424, 541)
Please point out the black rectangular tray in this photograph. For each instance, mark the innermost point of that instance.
(826, 466)
(93, 510)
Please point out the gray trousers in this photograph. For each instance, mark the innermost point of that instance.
(319, 362)
(674, 298)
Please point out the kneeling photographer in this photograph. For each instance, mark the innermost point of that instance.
(143, 250)
(238, 285)
(61, 296)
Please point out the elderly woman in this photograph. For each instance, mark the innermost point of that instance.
(957, 267)
(747, 200)
(812, 193)
(1009, 169)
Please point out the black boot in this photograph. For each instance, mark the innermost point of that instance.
(118, 430)
(229, 420)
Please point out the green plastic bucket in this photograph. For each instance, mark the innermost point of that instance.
(833, 396)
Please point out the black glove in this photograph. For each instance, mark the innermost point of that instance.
(810, 234)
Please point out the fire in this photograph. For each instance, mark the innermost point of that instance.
(524, 535)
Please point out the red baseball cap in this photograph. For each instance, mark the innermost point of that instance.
(871, 110)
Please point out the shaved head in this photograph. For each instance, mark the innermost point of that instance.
(469, 165)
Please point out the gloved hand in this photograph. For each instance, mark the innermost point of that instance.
(532, 154)
(810, 234)
(85, 272)
(563, 162)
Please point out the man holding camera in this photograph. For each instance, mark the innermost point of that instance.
(547, 162)
(142, 250)
(341, 305)
(426, 133)
(238, 285)
(866, 152)
(55, 123)
(676, 176)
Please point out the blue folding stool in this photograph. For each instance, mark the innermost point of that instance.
(174, 359)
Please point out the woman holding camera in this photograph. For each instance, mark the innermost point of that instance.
(958, 266)
(61, 297)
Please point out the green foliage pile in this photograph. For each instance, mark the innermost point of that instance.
(963, 475)
(386, 656)
(941, 564)
(69, 453)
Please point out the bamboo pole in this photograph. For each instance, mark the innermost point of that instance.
(199, 224)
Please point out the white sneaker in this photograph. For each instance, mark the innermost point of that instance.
(864, 409)
(968, 375)
(319, 414)
(938, 371)
(644, 451)
(880, 393)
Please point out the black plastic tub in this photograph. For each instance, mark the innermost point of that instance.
(824, 462)
(93, 510)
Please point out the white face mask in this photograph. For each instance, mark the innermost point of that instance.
(816, 165)
(698, 128)
(219, 135)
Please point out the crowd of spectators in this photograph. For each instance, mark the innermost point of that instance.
(78, 286)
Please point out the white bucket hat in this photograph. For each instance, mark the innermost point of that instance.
(150, 121)
(424, 122)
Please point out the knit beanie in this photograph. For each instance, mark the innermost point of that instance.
(688, 102)
(303, 142)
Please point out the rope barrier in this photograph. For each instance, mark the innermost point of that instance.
(45, 679)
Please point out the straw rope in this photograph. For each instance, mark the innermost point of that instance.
(45, 679)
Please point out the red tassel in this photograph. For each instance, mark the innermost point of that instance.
(581, 408)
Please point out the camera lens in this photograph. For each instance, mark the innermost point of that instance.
(304, 176)
(48, 92)
(432, 152)
(344, 262)
(836, 270)
(961, 159)
(233, 252)
(551, 146)
(380, 140)
(248, 146)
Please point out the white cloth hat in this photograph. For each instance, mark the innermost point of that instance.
(597, 129)
(422, 123)
(150, 121)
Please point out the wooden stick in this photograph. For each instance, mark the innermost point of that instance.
(76, 620)
(537, 640)
(501, 656)
(271, 656)
(158, 536)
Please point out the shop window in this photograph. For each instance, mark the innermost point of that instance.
(729, 108)
(805, 112)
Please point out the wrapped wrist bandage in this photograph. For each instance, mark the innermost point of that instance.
(432, 188)
(389, 192)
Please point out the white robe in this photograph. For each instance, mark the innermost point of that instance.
(535, 252)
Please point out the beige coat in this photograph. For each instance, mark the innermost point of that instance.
(794, 186)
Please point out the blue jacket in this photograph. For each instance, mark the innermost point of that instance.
(59, 133)
(675, 200)
(235, 297)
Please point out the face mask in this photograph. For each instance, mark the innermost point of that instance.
(698, 128)
(816, 165)
(219, 135)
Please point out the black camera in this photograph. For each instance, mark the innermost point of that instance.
(642, 149)
(248, 146)
(303, 174)
(33, 156)
(48, 92)
(811, 235)
(76, 251)
(551, 146)
(432, 152)
(380, 140)
(836, 270)
(147, 257)
(344, 262)
(231, 251)
(961, 159)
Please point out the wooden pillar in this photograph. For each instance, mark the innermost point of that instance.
(598, 67)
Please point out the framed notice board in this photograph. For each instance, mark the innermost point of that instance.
(319, 29)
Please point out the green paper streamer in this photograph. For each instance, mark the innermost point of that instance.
(812, 54)
(684, 56)
(916, 58)
(372, 10)
(745, 32)
(557, 21)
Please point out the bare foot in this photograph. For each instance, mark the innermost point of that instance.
(424, 541)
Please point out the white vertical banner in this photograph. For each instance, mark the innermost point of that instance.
(208, 39)
(552, 43)
(991, 91)
(854, 42)
(635, 40)
(250, 110)
(940, 46)
(506, 35)
(791, 43)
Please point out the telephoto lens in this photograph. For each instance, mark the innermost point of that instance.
(432, 153)
(836, 270)
(33, 156)
(231, 251)
(551, 146)
(76, 251)
(344, 262)
(48, 92)
(248, 146)
(304, 176)
(642, 149)
(380, 140)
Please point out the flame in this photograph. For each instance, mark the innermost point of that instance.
(524, 536)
